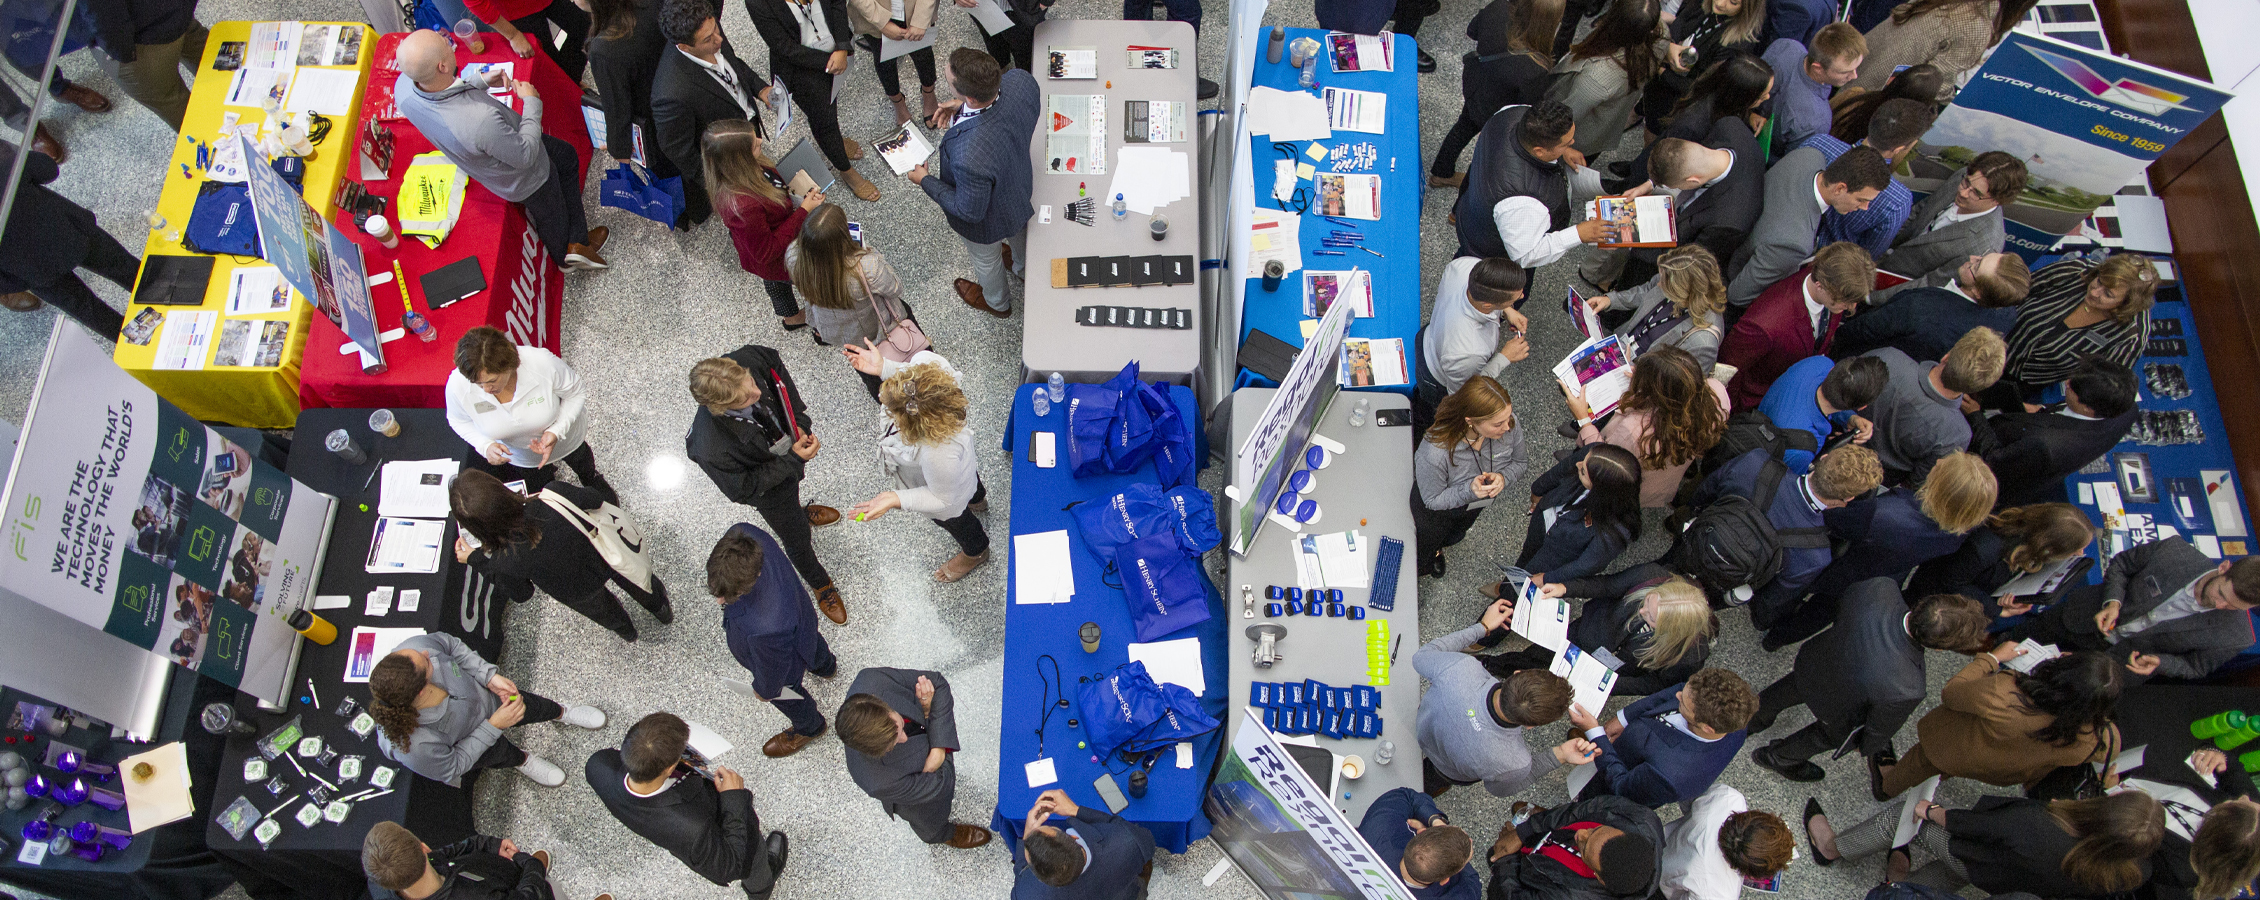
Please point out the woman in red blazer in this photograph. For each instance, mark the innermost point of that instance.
(762, 217)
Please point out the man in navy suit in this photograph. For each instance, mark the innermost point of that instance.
(771, 626)
(1925, 322)
(1432, 856)
(1794, 319)
(1672, 744)
(1092, 855)
(984, 184)
(1797, 20)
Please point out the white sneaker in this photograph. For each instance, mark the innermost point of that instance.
(584, 716)
(542, 771)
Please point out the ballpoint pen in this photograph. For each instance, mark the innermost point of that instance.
(1399, 645)
(1372, 251)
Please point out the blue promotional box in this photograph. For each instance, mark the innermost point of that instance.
(1259, 693)
(1271, 720)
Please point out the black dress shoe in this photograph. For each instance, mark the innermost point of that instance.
(1424, 62)
(664, 612)
(1204, 89)
(1802, 771)
(1875, 775)
(1813, 809)
(779, 849)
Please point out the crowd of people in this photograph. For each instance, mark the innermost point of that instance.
(1860, 468)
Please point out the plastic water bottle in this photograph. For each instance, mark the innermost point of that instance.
(1043, 404)
(1309, 76)
(1056, 386)
(1357, 413)
(1121, 207)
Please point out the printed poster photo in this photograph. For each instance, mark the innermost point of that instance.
(248, 567)
(186, 623)
(227, 477)
(159, 521)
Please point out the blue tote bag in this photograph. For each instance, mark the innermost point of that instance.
(1091, 410)
(660, 200)
(1129, 711)
(1163, 585)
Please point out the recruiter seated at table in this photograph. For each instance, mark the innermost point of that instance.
(2164, 609)
(520, 410)
(1094, 855)
(1432, 856)
(442, 708)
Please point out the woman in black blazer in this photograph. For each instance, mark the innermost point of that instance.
(1514, 52)
(2012, 542)
(1583, 512)
(1658, 623)
(624, 47)
(2060, 849)
(524, 543)
(1736, 87)
(2225, 855)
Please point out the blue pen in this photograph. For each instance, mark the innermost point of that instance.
(1348, 236)
(1338, 221)
(1328, 253)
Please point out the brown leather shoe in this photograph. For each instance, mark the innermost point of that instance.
(597, 236)
(829, 603)
(604, 896)
(862, 187)
(85, 98)
(958, 567)
(820, 516)
(44, 141)
(583, 256)
(970, 292)
(20, 301)
(787, 743)
(854, 150)
(1007, 248)
(967, 837)
(542, 855)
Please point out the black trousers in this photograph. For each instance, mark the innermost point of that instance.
(806, 717)
(788, 520)
(1436, 529)
(1463, 132)
(1809, 741)
(1433, 782)
(781, 298)
(1817, 613)
(554, 210)
(1016, 47)
(573, 57)
(603, 607)
(503, 754)
(890, 71)
(972, 537)
(582, 461)
(1186, 11)
(107, 258)
(812, 92)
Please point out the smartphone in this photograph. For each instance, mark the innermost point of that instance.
(1109, 792)
(1388, 418)
(855, 233)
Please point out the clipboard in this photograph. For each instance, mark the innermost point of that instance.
(804, 169)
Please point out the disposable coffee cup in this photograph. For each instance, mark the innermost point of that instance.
(1159, 227)
(383, 422)
(342, 444)
(1353, 766)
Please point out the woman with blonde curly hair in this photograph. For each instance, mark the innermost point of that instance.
(926, 448)
(1670, 415)
(1680, 307)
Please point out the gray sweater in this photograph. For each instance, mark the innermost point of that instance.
(1446, 478)
(1915, 426)
(1455, 726)
(494, 146)
(450, 737)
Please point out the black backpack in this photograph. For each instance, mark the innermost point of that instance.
(1753, 430)
(1731, 543)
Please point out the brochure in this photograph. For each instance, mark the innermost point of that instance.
(1602, 369)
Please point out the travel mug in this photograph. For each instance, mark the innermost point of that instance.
(315, 628)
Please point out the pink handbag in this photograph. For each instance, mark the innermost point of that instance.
(903, 339)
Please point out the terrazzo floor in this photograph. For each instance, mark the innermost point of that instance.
(670, 299)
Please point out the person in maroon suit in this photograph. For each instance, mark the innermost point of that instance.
(1795, 318)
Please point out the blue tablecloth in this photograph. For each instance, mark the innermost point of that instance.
(1171, 808)
(2176, 460)
(1396, 236)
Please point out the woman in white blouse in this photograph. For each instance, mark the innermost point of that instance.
(926, 448)
(520, 410)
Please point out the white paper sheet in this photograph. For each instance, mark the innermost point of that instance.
(326, 91)
(406, 546)
(1907, 822)
(164, 797)
(332, 601)
(2035, 654)
(1544, 620)
(1275, 235)
(255, 290)
(1149, 178)
(185, 342)
(252, 87)
(1184, 754)
(1344, 559)
(889, 48)
(1590, 680)
(2130, 760)
(1579, 776)
(1348, 110)
(990, 15)
(1177, 662)
(2207, 544)
(1042, 772)
(708, 743)
(416, 489)
(1287, 115)
(1043, 569)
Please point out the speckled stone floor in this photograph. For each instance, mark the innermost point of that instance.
(669, 300)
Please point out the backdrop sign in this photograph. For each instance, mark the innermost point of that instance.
(129, 516)
(1278, 436)
(313, 255)
(1277, 826)
(2085, 123)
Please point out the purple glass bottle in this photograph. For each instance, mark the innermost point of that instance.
(89, 832)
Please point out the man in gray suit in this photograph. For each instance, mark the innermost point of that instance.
(1798, 189)
(2164, 608)
(900, 728)
(1961, 219)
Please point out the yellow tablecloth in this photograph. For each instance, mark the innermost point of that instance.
(256, 396)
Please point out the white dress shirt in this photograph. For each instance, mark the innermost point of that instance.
(815, 33)
(724, 76)
(1682, 199)
(1461, 342)
(1522, 222)
(1813, 309)
(1694, 868)
(1952, 215)
(548, 398)
(2184, 602)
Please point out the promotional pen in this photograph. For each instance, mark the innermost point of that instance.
(1396, 647)
(1373, 251)
(1328, 253)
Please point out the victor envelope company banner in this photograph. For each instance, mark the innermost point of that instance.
(127, 515)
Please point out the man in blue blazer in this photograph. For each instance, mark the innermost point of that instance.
(984, 184)
(771, 626)
(1090, 855)
(1432, 856)
(1672, 744)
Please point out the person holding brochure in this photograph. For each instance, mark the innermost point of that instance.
(1474, 330)
(1525, 182)
(525, 542)
(1670, 746)
(2014, 543)
(2164, 609)
(442, 708)
(1715, 188)
(1683, 306)
(905, 21)
(1462, 464)
(1471, 723)
(1671, 414)
(700, 81)
(754, 437)
(1657, 622)
(760, 212)
(1795, 319)
(1014, 47)
(2098, 847)
(521, 411)
(771, 626)
(982, 177)
(810, 42)
(1583, 512)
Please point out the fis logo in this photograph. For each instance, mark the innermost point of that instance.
(2125, 92)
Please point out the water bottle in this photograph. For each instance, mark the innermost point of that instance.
(1043, 404)
(1309, 77)
(1121, 207)
(1357, 413)
(1056, 386)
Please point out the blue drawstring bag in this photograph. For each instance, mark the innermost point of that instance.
(1174, 460)
(1090, 419)
(660, 200)
(1163, 585)
(1138, 511)
(1195, 518)
(1127, 710)
(1130, 441)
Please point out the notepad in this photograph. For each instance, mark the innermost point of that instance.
(416, 488)
(453, 282)
(1348, 110)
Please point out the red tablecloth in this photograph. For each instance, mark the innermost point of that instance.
(525, 292)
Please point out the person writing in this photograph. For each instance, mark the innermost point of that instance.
(442, 708)
(1091, 854)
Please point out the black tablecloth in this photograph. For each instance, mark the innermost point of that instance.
(2159, 715)
(324, 861)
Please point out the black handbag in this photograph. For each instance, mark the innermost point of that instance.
(2080, 781)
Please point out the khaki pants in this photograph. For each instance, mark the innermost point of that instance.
(153, 79)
